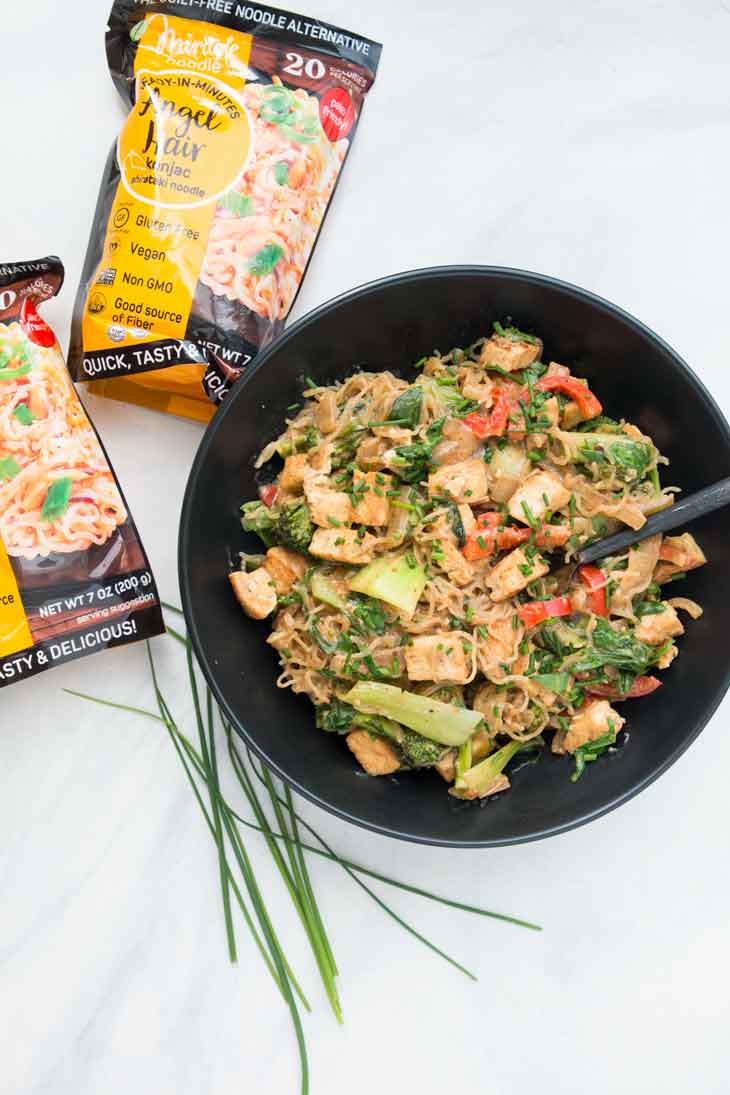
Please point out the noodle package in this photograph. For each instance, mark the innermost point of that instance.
(240, 120)
(74, 577)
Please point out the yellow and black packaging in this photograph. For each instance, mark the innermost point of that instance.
(74, 577)
(240, 120)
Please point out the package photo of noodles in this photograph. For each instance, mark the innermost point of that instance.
(74, 577)
(240, 120)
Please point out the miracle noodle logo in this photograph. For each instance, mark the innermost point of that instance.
(209, 48)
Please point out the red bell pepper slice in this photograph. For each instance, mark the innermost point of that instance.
(576, 390)
(268, 493)
(534, 612)
(487, 536)
(481, 541)
(493, 424)
(642, 686)
(552, 536)
(595, 580)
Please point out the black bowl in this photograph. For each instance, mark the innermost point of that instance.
(388, 325)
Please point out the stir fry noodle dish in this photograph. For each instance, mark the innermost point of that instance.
(416, 564)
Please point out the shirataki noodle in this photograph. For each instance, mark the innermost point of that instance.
(417, 543)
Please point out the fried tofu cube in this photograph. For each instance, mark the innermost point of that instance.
(376, 755)
(327, 507)
(255, 592)
(446, 767)
(343, 545)
(468, 519)
(539, 493)
(440, 657)
(325, 413)
(658, 626)
(320, 459)
(292, 475)
(447, 555)
(372, 505)
(459, 569)
(571, 415)
(678, 554)
(513, 573)
(465, 481)
(510, 354)
(285, 567)
(591, 722)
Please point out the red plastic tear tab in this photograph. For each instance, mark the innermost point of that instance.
(36, 328)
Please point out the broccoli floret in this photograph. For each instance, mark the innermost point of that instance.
(261, 519)
(418, 751)
(294, 527)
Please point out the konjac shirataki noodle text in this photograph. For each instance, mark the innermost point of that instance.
(414, 564)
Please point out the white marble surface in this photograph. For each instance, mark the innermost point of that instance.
(587, 140)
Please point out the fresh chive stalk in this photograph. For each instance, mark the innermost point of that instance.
(201, 764)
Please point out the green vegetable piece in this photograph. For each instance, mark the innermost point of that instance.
(463, 759)
(418, 751)
(303, 443)
(138, 30)
(630, 458)
(9, 468)
(265, 260)
(259, 518)
(335, 717)
(369, 615)
(476, 781)
(281, 174)
(413, 462)
(393, 580)
(346, 444)
(323, 590)
(448, 396)
(407, 407)
(240, 204)
(24, 414)
(555, 682)
(620, 649)
(455, 520)
(57, 499)
(294, 528)
(13, 374)
(513, 333)
(592, 750)
(326, 645)
(251, 560)
(437, 721)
